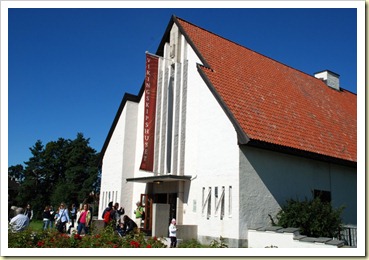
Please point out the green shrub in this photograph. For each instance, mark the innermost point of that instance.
(192, 243)
(314, 218)
(107, 238)
(218, 244)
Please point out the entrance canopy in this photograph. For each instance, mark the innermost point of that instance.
(160, 178)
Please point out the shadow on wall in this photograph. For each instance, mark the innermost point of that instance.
(278, 177)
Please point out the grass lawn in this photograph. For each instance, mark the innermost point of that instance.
(36, 224)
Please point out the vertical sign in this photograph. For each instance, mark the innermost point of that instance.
(151, 79)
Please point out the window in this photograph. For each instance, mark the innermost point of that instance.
(203, 200)
(209, 204)
(230, 201)
(220, 202)
(216, 198)
(206, 202)
(325, 196)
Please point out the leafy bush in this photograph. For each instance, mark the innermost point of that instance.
(107, 238)
(314, 218)
(218, 244)
(193, 243)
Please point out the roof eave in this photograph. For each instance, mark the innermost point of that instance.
(160, 178)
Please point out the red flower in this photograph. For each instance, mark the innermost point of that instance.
(77, 237)
(115, 246)
(155, 238)
(97, 236)
(134, 244)
(148, 246)
(40, 243)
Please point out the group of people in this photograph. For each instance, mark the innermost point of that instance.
(113, 215)
(122, 223)
(82, 216)
(20, 218)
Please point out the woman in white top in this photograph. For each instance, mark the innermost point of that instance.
(173, 233)
(64, 218)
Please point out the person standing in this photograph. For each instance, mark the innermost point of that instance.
(83, 219)
(106, 215)
(118, 212)
(173, 233)
(52, 217)
(139, 213)
(56, 217)
(63, 218)
(73, 213)
(20, 222)
(29, 212)
(46, 217)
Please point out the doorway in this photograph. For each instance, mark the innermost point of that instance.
(168, 198)
(160, 198)
(146, 202)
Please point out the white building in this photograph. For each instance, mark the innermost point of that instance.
(236, 135)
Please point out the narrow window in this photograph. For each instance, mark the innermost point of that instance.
(230, 201)
(325, 196)
(203, 200)
(209, 204)
(219, 205)
(215, 200)
(170, 120)
(206, 202)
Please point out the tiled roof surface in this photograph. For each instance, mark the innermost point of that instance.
(275, 103)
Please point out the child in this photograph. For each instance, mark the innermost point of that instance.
(173, 233)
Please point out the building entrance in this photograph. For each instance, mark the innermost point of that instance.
(147, 201)
(168, 198)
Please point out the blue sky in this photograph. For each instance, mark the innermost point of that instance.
(68, 69)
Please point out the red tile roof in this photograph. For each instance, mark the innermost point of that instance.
(274, 103)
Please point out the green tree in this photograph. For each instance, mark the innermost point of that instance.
(314, 218)
(81, 172)
(55, 166)
(63, 170)
(30, 190)
(16, 173)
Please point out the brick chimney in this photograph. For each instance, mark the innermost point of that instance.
(330, 78)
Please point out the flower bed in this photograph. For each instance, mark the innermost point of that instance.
(107, 238)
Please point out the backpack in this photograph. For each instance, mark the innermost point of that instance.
(107, 216)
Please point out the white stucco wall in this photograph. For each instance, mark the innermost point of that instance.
(117, 162)
(211, 158)
(257, 239)
(268, 179)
